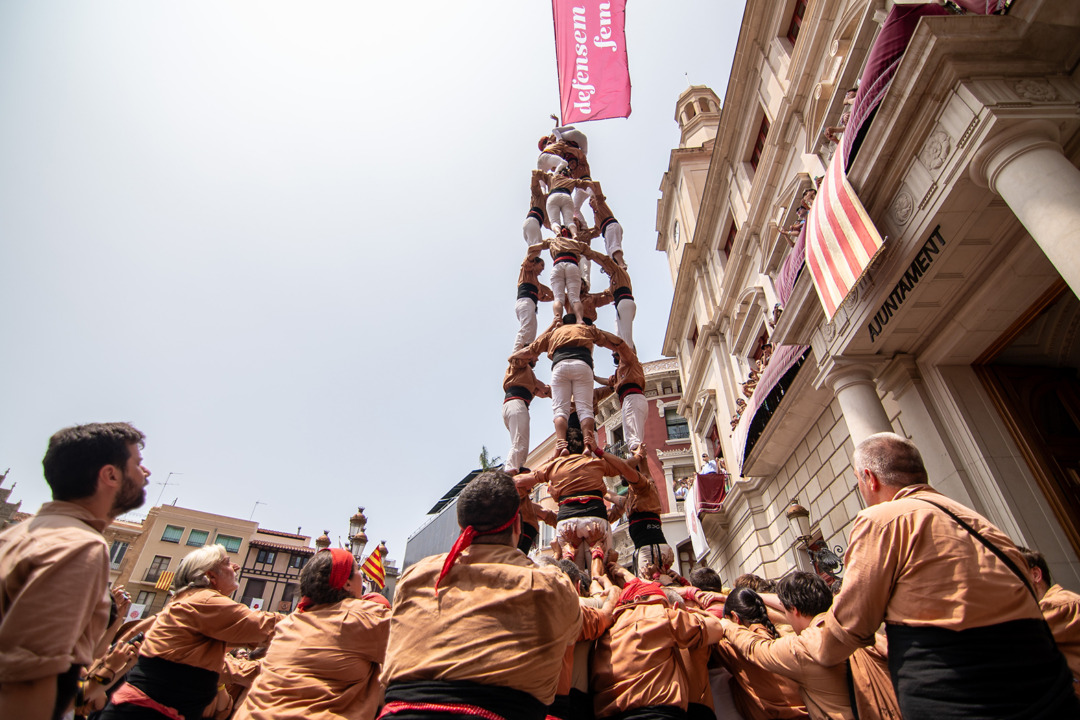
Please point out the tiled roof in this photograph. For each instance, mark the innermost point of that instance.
(282, 533)
(277, 546)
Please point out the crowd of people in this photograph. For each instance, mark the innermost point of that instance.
(940, 616)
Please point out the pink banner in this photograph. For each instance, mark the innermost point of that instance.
(590, 49)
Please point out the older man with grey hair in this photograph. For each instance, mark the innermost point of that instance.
(966, 636)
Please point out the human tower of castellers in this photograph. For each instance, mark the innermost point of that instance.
(561, 185)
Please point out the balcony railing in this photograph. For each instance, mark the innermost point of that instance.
(772, 401)
(619, 449)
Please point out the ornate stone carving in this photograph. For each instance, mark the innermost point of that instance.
(936, 150)
(902, 207)
(1035, 89)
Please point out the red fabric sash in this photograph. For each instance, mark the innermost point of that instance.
(471, 710)
(341, 569)
(128, 694)
(465, 540)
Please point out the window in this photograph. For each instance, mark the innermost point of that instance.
(116, 553)
(297, 561)
(730, 241)
(232, 544)
(759, 142)
(266, 556)
(145, 598)
(158, 566)
(255, 590)
(796, 21)
(197, 538)
(675, 233)
(172, 534)
(677, 427)
(705, 107)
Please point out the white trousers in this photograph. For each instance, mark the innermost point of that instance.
(526, 315)
(516, 419)
(566, 277)
(625, 310)
(560, 210)
(531, 230)
(573, 531)
(612, 237)
(634, 409)
(572, 380)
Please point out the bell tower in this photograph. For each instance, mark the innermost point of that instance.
(698, 113)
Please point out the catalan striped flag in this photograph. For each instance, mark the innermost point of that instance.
(374, 568)
(164, 581)
(841, 239)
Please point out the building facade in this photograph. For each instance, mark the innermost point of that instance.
(269, 575)
(962, 332)
(168, 534)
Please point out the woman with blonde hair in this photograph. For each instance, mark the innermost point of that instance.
(176, 675)
(325, 659)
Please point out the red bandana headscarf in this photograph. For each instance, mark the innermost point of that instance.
(638, 589)
(341, 568)
(465, 540)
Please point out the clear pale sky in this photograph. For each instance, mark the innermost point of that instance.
(282, 238)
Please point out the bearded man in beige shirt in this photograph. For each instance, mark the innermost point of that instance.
(54, 568)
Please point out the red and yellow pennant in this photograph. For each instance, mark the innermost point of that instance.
(375, 569)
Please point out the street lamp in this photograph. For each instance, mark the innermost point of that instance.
(826, 562)
(357, 537)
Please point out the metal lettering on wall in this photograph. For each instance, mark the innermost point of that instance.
(918, 268)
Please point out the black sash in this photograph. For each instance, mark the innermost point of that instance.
(572, 353)
(583, 505)
(528, 537)
(575, 706)
(654, 712)
(622, 293)
(505, 702)
(528, 290)
(558, 191)
(697, 711)
(537, 213)
(628, 389)
(1009, 671)
(185, 688)
(646, 529)
(520, 392)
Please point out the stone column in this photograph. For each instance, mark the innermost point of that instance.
(857, 394)
(1026, 167)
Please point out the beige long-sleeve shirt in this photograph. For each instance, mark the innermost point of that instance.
(54, 572)
(1061, 608)
(323, 664)
(197, 626)
(498, 619)
(637, 664)
(823, 689)
(760, 694)
(911, 564)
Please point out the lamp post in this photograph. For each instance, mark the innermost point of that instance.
(357, 537)
(826, 562)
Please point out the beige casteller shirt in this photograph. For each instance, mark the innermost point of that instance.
(197, 626)
(498, 620)
(1061, 608)
(911, 564)
(323, 664)
(54, 574)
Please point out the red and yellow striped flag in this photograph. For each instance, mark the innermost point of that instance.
(164, 581)
(841, 239)
(374, 568)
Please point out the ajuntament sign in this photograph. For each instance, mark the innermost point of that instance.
(926, 256)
